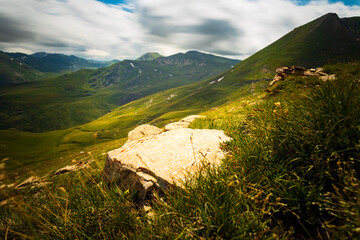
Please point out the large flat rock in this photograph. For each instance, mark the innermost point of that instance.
(159, 160)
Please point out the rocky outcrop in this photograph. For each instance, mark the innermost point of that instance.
(284, 72)
(183, 123)
(154, 162)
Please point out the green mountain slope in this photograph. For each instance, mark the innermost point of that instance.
(149, 56)
(80, 97)
(15, 71)
(326, 39)
(353, 23)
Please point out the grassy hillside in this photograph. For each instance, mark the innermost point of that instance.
(291, 173)
(324, 40)
(353, 23)
(30, 150)
(77, 98)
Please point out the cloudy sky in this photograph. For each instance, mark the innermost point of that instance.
(110, 29)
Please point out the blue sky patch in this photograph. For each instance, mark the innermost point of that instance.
(346, 2)
(299, 2)
(112, 1)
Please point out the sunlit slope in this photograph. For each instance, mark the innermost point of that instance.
(80, 97)
(32, 150)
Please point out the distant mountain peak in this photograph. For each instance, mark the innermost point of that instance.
(330, 15)
(39, 54)
(194, 52)
(149, 56)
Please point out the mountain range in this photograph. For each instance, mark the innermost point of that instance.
(20, 67)
(83, 96)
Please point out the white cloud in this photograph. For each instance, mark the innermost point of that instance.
(73, 26)
(257, 22)
(96, 30)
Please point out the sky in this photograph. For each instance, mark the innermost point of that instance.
(126, 29)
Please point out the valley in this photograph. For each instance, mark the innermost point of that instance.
(80, 97)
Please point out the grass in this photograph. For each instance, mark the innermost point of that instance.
(291, 173)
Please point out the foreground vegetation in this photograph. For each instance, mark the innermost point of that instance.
(291, 172)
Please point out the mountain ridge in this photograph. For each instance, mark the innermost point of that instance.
(18, 68)
(57, 62)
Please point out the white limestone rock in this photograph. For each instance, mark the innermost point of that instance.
(155, 162)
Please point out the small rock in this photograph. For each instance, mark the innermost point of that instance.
(321, 74)
(5, 202)
(71, 168)
(30, 181)
(319, 69)
(12, 185)
(66, 169)
(43, 184)
(143, 131)
(2, 176)
(308, 73)
(183, 123)
(329, 77)
(147, 208)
